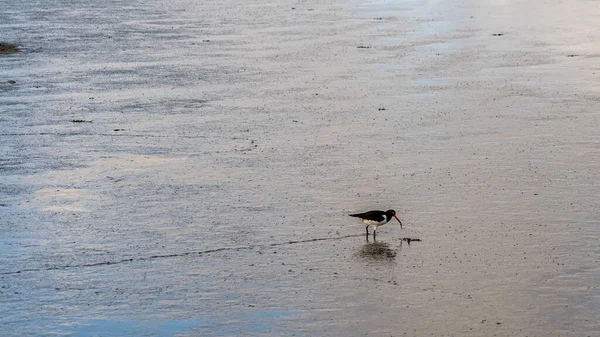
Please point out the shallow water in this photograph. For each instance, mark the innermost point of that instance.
(187, 169)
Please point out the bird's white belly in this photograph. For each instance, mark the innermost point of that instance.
(373, 223)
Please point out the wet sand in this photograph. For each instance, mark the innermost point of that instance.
(187, 169)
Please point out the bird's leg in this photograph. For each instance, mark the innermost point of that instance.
(367, 230)
(374, 233)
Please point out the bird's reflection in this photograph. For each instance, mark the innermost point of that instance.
(377, 250)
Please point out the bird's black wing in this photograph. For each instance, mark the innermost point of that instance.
(370, 215)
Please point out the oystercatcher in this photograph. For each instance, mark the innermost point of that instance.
(376, 219)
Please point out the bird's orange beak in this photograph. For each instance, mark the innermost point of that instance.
(398, 221)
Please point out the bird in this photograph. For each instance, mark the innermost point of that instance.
(376, 219)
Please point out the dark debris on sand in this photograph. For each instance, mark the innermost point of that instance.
(7, 48)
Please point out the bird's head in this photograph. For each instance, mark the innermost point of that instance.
(392, 213)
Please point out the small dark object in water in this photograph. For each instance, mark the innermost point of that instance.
(572, 55)
(363, 47)
(11, 82)
(378, 19)
(409, 240)
(381, 109)
(80, 121)
(497, 34)
(7, 48)
(119, 129)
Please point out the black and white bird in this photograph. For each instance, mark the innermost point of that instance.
(376, 219)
